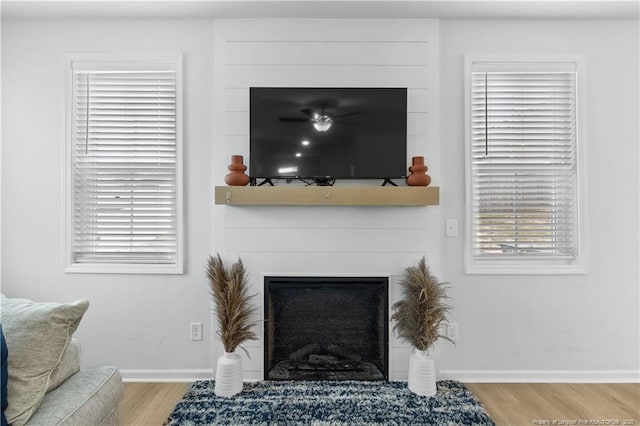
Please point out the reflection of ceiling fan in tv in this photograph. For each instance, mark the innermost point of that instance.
(321, 120)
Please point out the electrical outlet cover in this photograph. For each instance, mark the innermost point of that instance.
(452, 331)
(196, 331)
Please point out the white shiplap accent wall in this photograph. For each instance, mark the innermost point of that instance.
(326, 240)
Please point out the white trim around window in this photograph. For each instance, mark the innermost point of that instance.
(123, 207)
(535, 253)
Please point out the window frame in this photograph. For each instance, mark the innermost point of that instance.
(119, 268)
(532, 265)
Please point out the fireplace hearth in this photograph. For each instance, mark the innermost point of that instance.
(326, 328)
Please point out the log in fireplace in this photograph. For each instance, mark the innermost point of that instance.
(326, 328)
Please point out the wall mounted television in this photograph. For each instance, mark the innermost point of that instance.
(319, 135)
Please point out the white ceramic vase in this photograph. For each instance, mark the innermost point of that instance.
(228, 375)
(422, 373)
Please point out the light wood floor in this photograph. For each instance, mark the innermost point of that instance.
(511, 404)
(542, 403)
(149, 403)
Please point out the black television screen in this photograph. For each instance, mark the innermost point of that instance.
(328, 133)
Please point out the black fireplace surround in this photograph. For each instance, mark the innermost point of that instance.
(326, 328)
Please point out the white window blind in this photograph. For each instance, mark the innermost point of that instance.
(523, 195)
(125, 179)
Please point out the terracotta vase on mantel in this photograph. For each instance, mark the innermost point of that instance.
(418, 176)
(236, 176)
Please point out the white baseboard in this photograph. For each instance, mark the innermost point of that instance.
(186, 375)
(467, 376)
(542, 376)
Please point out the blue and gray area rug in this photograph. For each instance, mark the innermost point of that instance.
(329, 403)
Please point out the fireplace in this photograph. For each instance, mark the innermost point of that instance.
(326, 328)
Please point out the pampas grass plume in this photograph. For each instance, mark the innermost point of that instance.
(229, 289)
(422, 310)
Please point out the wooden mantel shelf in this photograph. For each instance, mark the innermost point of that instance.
(328, 195)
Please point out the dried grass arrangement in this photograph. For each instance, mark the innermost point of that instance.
(229, 288)
(420, 313)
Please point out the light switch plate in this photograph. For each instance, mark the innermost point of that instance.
(451, 228)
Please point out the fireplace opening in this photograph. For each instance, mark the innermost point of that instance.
(326, 328)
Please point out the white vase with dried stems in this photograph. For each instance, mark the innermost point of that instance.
(229, 288)
(418, 317)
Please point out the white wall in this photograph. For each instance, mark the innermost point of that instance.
(531, 327)
(327, 240)
(526, 326)
(135, 322)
